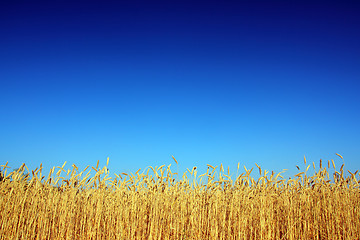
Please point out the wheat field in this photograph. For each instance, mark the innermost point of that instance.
(158, 204)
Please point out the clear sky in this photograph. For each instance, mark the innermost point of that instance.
(208, 82)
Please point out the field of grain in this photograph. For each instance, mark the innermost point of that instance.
(158, 204)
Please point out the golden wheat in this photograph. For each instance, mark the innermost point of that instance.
(154, 205)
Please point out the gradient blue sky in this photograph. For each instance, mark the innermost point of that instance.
(208, 82)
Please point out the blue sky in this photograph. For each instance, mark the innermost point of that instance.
(210, 83)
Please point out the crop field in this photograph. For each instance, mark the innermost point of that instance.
(157, 203)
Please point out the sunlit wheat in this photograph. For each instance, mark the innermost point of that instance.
(91, 204)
